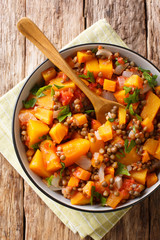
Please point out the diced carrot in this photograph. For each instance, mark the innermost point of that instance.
(49, 74)
(151, 179)
(95, 124)
(87, 188)
(73, 182)
(105, 131)
(82, 174)
(106, 67)
(79, 199)
(84, 56)
(134, 81)
(58, 132)
(80, 118)
(122, 115)
(145, 157)
(109, 85)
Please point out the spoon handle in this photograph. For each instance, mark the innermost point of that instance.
(34, 34)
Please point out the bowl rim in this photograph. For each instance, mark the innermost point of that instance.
(21, 162)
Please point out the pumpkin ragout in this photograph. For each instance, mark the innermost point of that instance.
(90, 162)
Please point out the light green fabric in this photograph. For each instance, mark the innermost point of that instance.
(98, 224)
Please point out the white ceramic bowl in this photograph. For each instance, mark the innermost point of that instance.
(34, 78)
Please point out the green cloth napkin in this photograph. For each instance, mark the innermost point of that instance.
(94, 224)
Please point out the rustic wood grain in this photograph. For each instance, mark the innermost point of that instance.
(58, 20)
(12, 52)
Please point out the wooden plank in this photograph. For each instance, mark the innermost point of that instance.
(130, 25)
(153, 17)
(11, 72)
(59, 20)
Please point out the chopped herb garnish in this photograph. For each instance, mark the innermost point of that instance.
(133, 98)
(34, 90)
(131, 109)
(65, 112)
(122, 170)
(111, 119)
(30, 103)
(127, 89)
(97, 195)
(45, 137)
(58, 87)
(151, 79)
(62, 169)
(143, 70)
(121, 154)
(49, 180)
(35, 146)
(89, 111)
(41, 90)
(89, 77)
(134, 129)
(129, 147)
(138, 117)
(94, 50)
(52, 92)
(117, 63)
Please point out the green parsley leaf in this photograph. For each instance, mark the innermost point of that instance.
(121, 154)
(49, 180)
(35, 146)
(117, 63)
(129, 148)
(34, 90)
(111, 119)
(58, 87)
(134, 129)
(122, 170)
(143, 70)
(127, 89)
(133, 98)
(94, 50)
(103, 200)
(65, 112)
(151, 79)
(52, 92)
(45, 137)
(131, 109)
(89, 111)
(97, 195)
(138, 117)
(42, 89)
(62, 169)
(30, 103)
(89, 77)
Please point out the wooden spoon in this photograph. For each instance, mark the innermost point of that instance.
(33, 33)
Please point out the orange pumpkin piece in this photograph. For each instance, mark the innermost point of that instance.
(105, 131)
(148, 110)
(134, 81)
(157, 153)
(73, 182)
(139, 176)
(109, 85)
(145, 157)
(147, 123)
(96, 145)
(35, 130)
(76, 135)
(25, 115)
(107, 178)
(95, 124)
(74, 149)
(46, 101)
(45, 115)
(79, 199)
(131, 157)
(84, 56)
(106, 67)
(58, 81)
(49, 74)
(70, 62)
(37, 165)
(109, 170)
(120, 95)
(117, 139)
(87, 188)
(93, 66)
(113, 200)
(122, 115)
(80, 118)
(58, 132)
(151, 179)
(151, 146)
(100, 158)
(82, 174)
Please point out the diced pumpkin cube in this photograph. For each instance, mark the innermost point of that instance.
(145, 157)
(93, 66)
(151, 179)
(109, 85)
(106, 67)
(105, 131)
(107, 178)
(35, 130)
(99, 187)
(118, 139)
(139, 176)
(74, 149)
(49, 74)
(120, 95)
(157, 153)
(99, 157)
(84, 56)
(134, 81)
(147, 123)
(151, 146)
(58, 132)
(59, 82)
(70, 62)
(113, 200)
(96, 144)
(148, 110)
(76, 135)
(82, 174)
(46, 101)
(109, 170)
(80, 118)
(122, 115)
(131, 157)
(37, 166)
(45, 115)
(95, 124)
(79, 199)
(73, 182)
(87, 188)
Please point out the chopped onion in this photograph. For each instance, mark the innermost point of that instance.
(55, 113)
(104, 52)
(120, 68)
(101, 172)
(108, 95)
(55, 183)
(145, 89)
(97, 135)
(84, 162)
(127, 74)
(118, 181)
(129, 168)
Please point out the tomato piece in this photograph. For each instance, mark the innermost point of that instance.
(120, 60)
(65, 96)
(100, 80)
(127, 184)
(92, 86)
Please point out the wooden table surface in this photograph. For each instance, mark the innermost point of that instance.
(23, 216)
